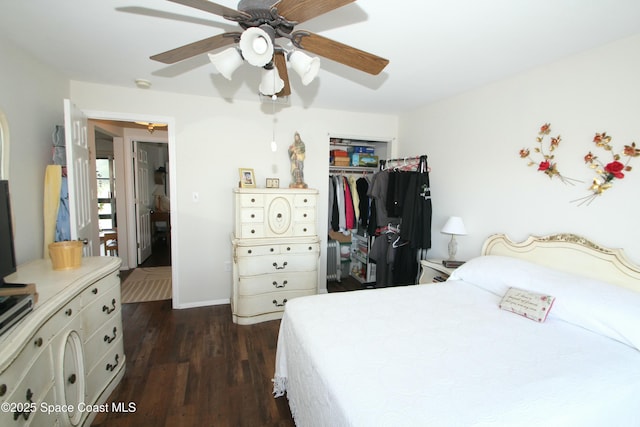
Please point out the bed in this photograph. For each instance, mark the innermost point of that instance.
(457, 353)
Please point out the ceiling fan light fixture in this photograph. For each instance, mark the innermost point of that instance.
(256, 45)
(271, 82)
(306, 66)
(227, 61)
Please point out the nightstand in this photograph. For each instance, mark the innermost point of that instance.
(432, 268)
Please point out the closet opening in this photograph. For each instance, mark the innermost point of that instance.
(352, 163)
(379, 226)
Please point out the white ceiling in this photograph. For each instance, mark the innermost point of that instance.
(436, 48)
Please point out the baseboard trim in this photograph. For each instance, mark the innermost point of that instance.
(201, 303)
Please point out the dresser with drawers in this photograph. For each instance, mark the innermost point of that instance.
(275, 251)
(60, 362)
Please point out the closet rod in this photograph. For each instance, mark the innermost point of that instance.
(351, 169)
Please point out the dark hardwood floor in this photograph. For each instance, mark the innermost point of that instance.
(195, 367)
(160, 254)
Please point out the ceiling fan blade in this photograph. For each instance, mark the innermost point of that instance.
(281, 66)
(196, 48)
(339, 52)
(215, 8)
(303, 10)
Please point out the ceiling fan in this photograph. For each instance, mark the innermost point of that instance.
(264, 21)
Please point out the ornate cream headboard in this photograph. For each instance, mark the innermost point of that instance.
(572, 254)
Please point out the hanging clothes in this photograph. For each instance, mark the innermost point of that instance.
(379, 191)
(397, 191)
(355, 197)
(344, 203)
(333, 209)
(63, 223)
(342, 223)
(417, 212)
(362, 187)
(402, 197)
(349, 211)
(382, 254)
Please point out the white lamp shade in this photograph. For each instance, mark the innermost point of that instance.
(271, 82)
(227, 61)
(256, 46)
(455, 226)
(306, 66)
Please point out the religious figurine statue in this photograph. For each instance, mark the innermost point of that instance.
(296, 156)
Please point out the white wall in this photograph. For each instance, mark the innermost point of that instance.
(213, 138)
(31, 95)
(473, 142)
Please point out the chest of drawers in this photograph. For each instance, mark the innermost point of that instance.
(275, 251)
(66, 354)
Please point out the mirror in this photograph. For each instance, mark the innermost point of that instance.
(4, 147)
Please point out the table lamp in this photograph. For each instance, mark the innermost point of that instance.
(455, 227)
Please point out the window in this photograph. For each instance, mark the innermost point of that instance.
(105, 174)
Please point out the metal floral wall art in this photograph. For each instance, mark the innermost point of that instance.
(547, 163)
(607, 173)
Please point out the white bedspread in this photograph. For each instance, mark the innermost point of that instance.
(446, 355)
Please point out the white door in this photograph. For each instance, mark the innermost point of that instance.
(143, 201)
(79, 181)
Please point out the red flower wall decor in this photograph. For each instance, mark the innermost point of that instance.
(547, 163)
(607, 173)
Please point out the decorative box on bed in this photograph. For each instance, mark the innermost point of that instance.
(275, 251)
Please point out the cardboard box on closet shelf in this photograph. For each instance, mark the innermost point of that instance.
(339, 153)
(341, 161)
(363, 149)
(359, 159)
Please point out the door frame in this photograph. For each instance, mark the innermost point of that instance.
(144, 135)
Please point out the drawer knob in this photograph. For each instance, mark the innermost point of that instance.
(68, 312)
(279, 216)
(304, 229)
(284, 264)
(288, 248)
(109, 339)
(26, 407)
(111, 367)
(94, 291)
(304, 216)
(253, 231)
(249, 251)
(38, 342)
(253, 200)
(277, 304)
(253, 215)
(72, 379)
(284, 283)
(305, 200)
(108, 310)
(3, 389)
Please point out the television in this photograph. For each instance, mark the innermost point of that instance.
(8, 263)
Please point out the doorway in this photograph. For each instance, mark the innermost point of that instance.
(155, 189)
(122, 144)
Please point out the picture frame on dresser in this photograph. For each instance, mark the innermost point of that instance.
(273, 183)
(247, 178)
